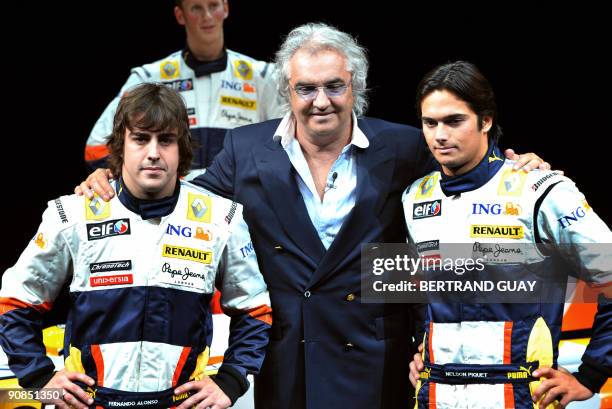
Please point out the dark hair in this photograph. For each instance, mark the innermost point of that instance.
(156, 108)
(467, 83)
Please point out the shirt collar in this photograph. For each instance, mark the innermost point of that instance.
(201, 68)
(285, 133)
(476, 177)
(147, 209)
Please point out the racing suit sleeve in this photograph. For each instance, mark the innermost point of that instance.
(219, 176)
(244, 297)
(270, 99)
(28, 291)
(96, 152)
(595, 368)
(566, 219)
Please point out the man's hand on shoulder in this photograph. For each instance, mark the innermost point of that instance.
(526, 161)
(97, 182)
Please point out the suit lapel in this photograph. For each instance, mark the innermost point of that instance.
(374, 173)
(278, 181)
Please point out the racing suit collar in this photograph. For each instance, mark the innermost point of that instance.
(475, 178)
(202, 68)
(147, 209)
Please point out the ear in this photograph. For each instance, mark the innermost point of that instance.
(487, 123)
(225, 9)
(178, 14)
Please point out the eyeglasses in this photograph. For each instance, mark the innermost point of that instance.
(310, 92)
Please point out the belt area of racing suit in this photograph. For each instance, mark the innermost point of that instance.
(114, 398)
(460, 374)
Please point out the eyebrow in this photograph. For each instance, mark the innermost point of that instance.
(328, 82)
(167, 135)
(140, 133)
(446, 118)
(150, 133)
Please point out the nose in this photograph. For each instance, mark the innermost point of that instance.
(441, 132)
(207, 12)
(321, 100)
(153, 150)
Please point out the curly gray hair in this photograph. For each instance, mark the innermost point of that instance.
(319, 36)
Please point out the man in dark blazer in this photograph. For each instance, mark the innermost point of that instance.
(315, 186)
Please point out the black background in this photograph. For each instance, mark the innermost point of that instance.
(64, 62)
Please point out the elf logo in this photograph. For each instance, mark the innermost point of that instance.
(97, 231)
(427, 209)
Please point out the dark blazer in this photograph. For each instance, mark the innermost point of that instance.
(327, 349)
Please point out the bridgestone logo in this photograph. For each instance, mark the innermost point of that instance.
(118, 265)
(540, 182)
(231, 213)
(186, 253)
(60, 211)
(509, 232)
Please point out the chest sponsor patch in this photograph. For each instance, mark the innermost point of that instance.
(118, 227)
(236, 102)
(235, 117)
(199, 233)
(105, 266)
(426, 209)
(103, 281)
(187, 253)
(182, 276)
(180, 85)
(497, 209)
(494, 231)
(428, 245)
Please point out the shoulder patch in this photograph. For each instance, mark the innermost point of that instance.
(243, 69)
(199, 207)
(169, 69)
(512, 182)
(426, 186)
(96, 209)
